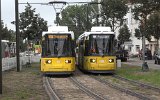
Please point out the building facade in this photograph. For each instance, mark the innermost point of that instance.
(135, 45)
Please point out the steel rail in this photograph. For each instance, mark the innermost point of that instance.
(49, 89)
(137, 83)
(127, 91)
(86, 90)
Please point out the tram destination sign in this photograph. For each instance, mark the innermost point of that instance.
(57, 36)
(101, 36)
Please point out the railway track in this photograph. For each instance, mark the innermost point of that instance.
(127, 91)
(139, 90)
(62, 88)
(86, 89)
(81, 87)
(138, 83)
(91, 87)
(103, 90)
(49, 89)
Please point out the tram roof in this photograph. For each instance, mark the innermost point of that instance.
(72, 34)
(58, 30)
(97, 30)
(100, 29)
(85, 34)
(5, 40)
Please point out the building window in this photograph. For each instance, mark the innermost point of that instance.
(137, 48)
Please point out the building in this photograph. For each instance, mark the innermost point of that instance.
(135, 45)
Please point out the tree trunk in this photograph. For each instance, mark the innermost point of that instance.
(113, 25)
(157, 44)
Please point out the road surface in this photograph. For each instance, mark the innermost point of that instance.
(138, 62)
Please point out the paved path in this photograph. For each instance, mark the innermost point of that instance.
(138, 62)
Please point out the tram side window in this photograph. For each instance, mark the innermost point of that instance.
(43, 48)
(66, 49)
(86, 48)
(112, 45)
(73, 45)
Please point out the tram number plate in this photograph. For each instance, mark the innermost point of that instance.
(102, 61)
(58, 61)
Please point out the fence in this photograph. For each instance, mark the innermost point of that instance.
(9, 63)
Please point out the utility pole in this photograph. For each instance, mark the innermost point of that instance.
(87, 18)
(0, 52)
(99, 12)
(17, 34)
(57, 18)
(97, 19)
(144, 65)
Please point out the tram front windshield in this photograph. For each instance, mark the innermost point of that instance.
(58, 45)
(100, 45)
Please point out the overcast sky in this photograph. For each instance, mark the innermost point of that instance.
(46, 12)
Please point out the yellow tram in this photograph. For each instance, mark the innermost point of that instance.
(96, 51)
(58, 56)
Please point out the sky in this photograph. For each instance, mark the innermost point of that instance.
(46, 12)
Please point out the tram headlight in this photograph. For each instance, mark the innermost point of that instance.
(111, 60)
(48, 61)
(93, 60)
(67, 61)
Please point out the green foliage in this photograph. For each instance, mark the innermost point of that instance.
(153, 25)
(141, 10)
(7, 34)
(113, 12)
(124, 34)
(140, 31)
(75, 17)
(31, 24)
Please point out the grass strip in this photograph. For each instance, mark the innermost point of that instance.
(135, 73)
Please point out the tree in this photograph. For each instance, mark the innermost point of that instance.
(31, 24)
(124, 34)
(75, 17)
(140, 31)
(153, 26)
(113, 12)
(141, 10)
(7, 34)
